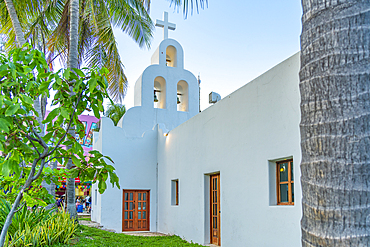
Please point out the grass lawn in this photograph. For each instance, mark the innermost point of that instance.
(87, 218)
(89, 236)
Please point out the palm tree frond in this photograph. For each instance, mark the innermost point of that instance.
(115, 112)
(108, 57)
(58, 42)
(132, 17)
(192, 4)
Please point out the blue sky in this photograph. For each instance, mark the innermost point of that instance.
(228, 45)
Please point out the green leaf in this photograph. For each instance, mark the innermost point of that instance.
(22, 111)
(73, 76)
(79, 72)
(4, 125)
(96, 111)
(25, 148)
(12, 110)
(27, 99)
(7, 167)
(58, 81)
(104, 71)
(44, 86)
(114, 179)
(43, 75)
(102, 186)
(78, 148)
(66, 74)
(92, 84)
(64, 113)
(76, 161)
(29, 85)
(109, 158)
(4, 67)
(47, 137)
(51, 115)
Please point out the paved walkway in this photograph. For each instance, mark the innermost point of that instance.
(97, 225)
(89, 223)
(83, 214)
(145, 234)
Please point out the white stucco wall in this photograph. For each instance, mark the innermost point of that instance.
(239, 137)
(95, 195)
(135, 161)
(132, 144)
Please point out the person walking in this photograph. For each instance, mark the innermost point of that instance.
(88, 203)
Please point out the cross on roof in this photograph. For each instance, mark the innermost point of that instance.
(165, 24)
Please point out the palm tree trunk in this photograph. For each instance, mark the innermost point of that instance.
(335, 117)
(72, 63)
(15, 21)
(73, 36)
(39, 107)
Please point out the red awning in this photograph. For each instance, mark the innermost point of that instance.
(77, 180)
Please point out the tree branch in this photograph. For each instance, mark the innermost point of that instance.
(30, 138)
(39, 171)
(52, 159)
(42, 143)
(20, 207)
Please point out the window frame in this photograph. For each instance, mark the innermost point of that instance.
(175, 197)
(176, 192)
(290, 183)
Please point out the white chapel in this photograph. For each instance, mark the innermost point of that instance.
(227, 176)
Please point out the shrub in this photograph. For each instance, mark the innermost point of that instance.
(31, 217)
(39, 227)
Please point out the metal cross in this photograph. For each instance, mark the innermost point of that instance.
(165, 24)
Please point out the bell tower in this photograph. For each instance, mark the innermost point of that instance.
(165, 94)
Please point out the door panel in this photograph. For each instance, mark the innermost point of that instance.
(135, 210)
(215, 210)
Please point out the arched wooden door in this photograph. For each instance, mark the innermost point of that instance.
(135, 211)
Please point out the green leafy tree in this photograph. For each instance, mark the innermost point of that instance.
(46, 26)
(24, 76)
(17, 34)
(85, 33)
(115, 112)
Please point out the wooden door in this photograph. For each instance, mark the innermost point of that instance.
(135, 210)
(215, 210)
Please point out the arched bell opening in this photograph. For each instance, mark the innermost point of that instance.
(159, 96)
(182, 96)
(171, 56)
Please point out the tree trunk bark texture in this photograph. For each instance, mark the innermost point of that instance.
(335, 121)
(73, 37)
(15, 21)
(72, 63)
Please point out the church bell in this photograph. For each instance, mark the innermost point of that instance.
(155, 97)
